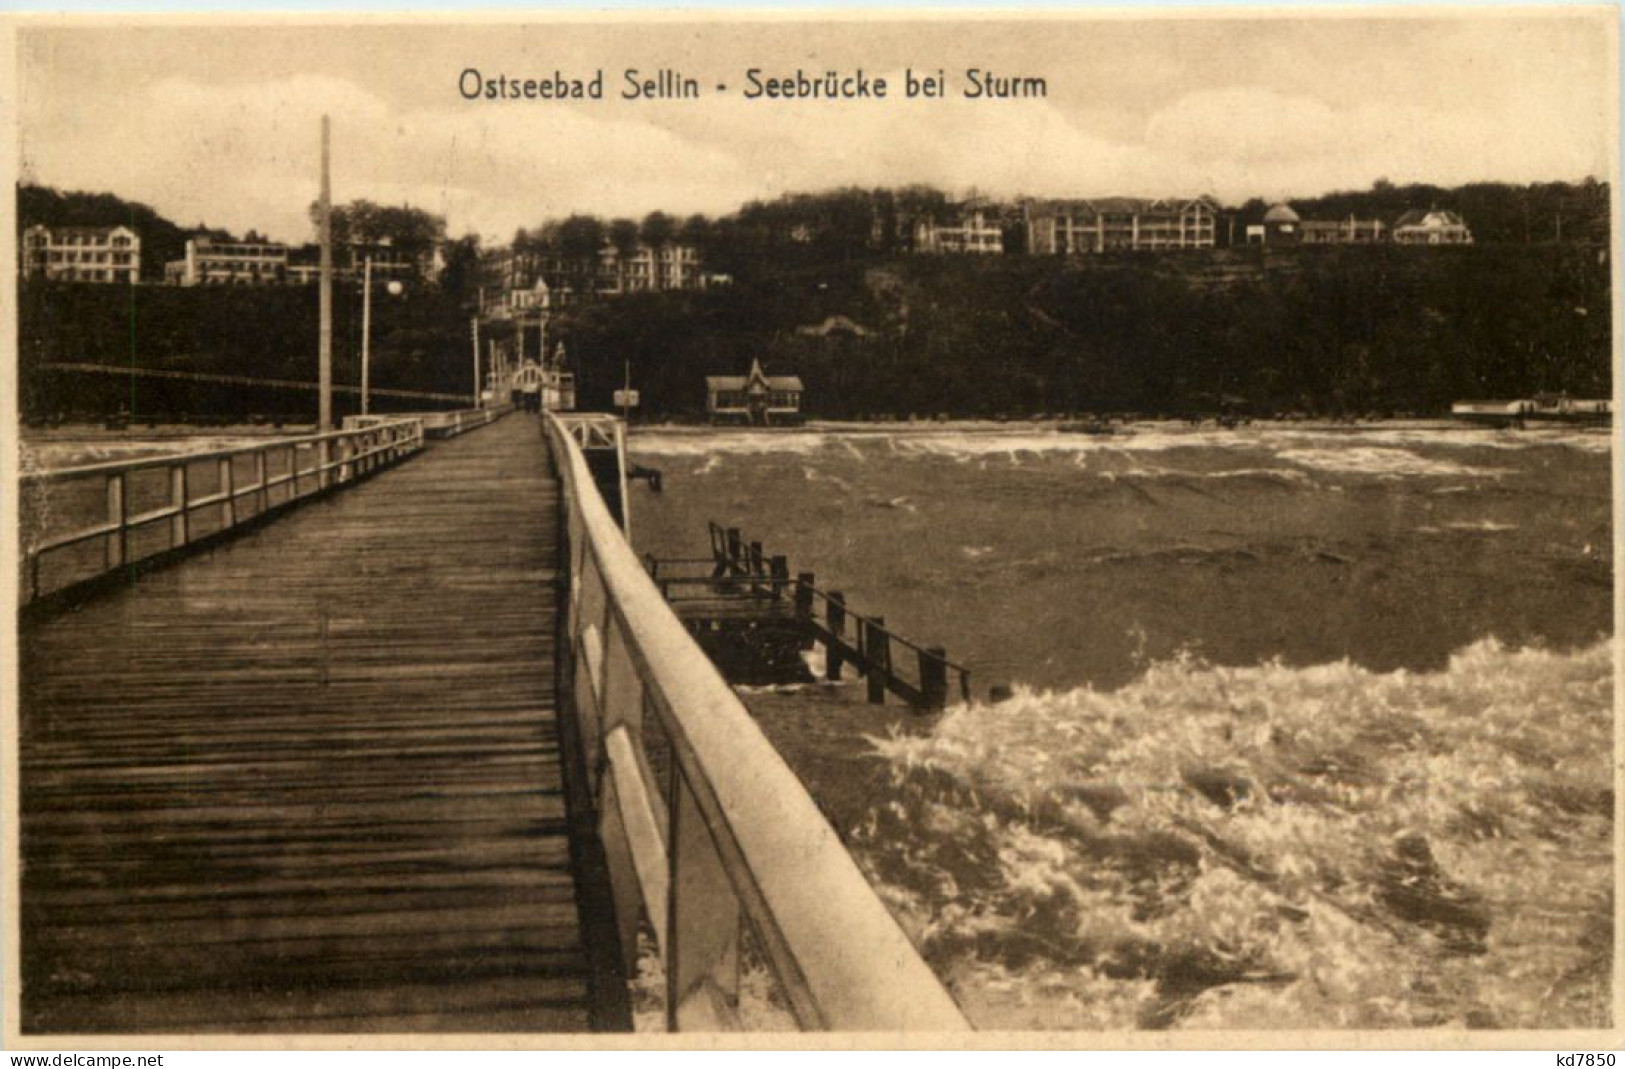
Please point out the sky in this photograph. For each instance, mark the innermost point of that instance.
(219, 123)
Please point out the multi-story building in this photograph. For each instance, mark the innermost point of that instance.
(82, 253)
(1283, 226)
(209, 262)
(652, 269)
(349, 263)
(305, 265)
(968, 228)
(1109, 224)
(566, 279)
(1432, 227)
(1350, 231)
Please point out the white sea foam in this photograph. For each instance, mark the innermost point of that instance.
(813, 475)
(1295, 476)
(817, 664)
(968, 442)
(726, 443)
(1382, 461)
(1586, 441)
(49, 455)
(1070, 848)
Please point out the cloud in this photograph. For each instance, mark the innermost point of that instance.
(1256, 141)
(203, 141)
(247, 155)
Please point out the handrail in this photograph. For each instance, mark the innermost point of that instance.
(451, 424)
(332, 459)
(732, 834)
(116, 467)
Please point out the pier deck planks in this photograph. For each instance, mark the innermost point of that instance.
(310, 781)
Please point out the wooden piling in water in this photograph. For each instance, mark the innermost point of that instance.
(836, 618)
(747, 587)
(933, 677)
(877, 658)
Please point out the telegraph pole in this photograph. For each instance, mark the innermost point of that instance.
(366, 334)
(476, 322)
(324, 352)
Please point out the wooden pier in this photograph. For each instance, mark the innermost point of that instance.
(312, 780)
(740, 587)
(376, 763)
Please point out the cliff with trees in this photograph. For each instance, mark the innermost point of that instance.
(1321, 331)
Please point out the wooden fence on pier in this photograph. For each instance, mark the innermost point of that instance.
(746, 583)
(86, 523)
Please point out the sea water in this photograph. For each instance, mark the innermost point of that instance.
(1310, 727)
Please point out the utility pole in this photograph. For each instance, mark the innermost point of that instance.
(476, 322)
(324, 351)
(366, 335)
(626, 392)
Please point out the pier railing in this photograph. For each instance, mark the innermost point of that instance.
(707, 832)
(148, 507)
(439, 424)
(451, 424)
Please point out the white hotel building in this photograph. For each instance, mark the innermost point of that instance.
(82, 253)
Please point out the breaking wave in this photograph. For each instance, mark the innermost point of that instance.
(50, 455)
(1382, 461)
(1266, 846)
(1376, 449)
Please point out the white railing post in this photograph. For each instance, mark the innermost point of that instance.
(118, 546)
(228, 487)
(702, 919)
(261, 471)
(178, 524)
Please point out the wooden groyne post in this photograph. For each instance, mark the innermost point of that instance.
(877, 658)
(744, 586)
(835, 623)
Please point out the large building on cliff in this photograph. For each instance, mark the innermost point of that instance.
(1432, 227)
(82, 253)
(974, 227)
(1111, 224)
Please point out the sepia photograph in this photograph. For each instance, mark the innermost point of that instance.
(1096, 526)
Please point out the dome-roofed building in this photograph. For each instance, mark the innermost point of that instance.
(1281, 225)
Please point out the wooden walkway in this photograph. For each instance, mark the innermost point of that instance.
(311, 780)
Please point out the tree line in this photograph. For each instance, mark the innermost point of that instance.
(1316, 331)
(853, 223)
(1334, 330)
